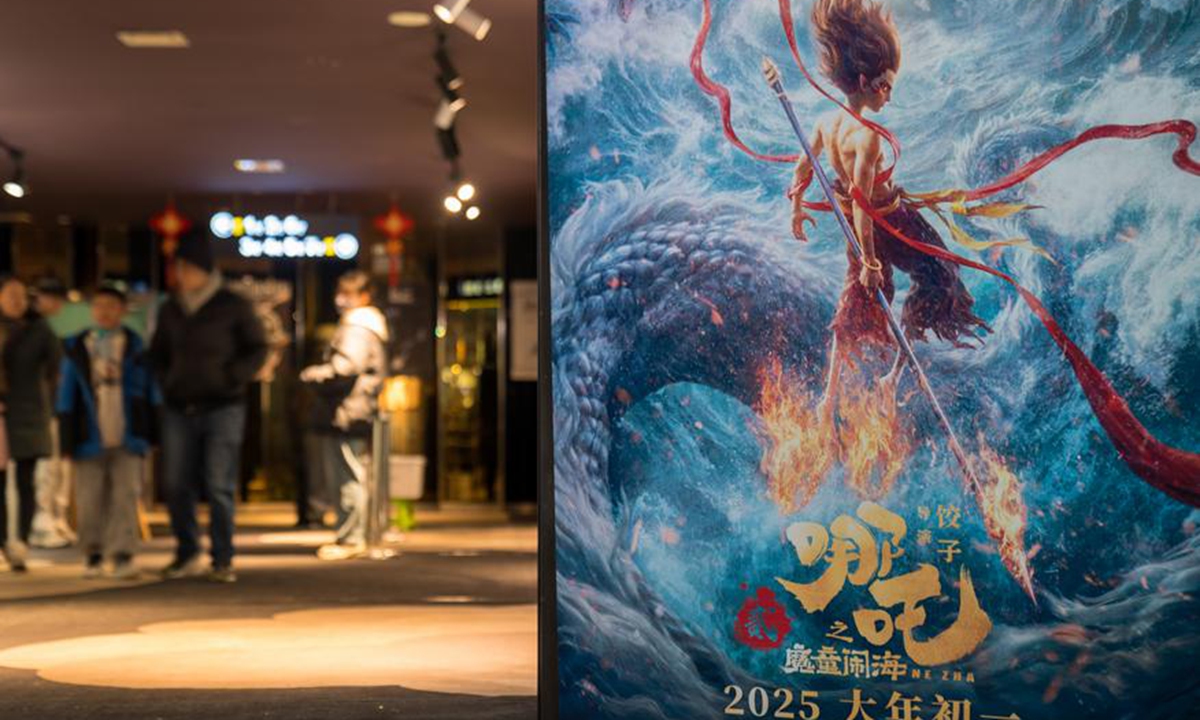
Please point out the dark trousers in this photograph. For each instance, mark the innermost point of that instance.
(202, 450)
(346, 466)
(25, 500)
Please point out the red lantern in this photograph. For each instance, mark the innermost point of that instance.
(394, 225)
(170, 225)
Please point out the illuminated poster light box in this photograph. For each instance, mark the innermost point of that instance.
(290, 236)
(831, 430)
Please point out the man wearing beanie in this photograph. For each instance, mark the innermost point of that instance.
(206, 350)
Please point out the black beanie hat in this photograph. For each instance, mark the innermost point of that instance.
(196, 250)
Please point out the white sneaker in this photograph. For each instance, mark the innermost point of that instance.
(342, 552)
(49, 541)
(125, 570)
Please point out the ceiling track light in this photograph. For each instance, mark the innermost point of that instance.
(448, 10)
(456, 13)
(448, 81)
(16, 187)
(444, 116)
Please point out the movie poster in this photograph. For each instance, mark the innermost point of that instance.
(875, 358)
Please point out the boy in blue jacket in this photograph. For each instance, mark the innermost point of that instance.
(106, 410)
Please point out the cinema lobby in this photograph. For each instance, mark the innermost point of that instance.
(599, 359)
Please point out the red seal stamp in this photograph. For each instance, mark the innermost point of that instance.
(762, 623)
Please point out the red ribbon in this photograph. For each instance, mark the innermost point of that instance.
(721, 93)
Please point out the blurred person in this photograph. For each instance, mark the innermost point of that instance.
(106, 407)
(30, 356)
(49, 297)
(206, 351)
(346, 403)
(52, 477)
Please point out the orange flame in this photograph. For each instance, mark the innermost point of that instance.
(800, 450)
(875, 447)
(804, 444)
(1004, 514)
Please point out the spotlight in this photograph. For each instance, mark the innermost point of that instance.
(474, 24)
(16, 187)
(472, 212)
(452, 204)
(456, 12)
(448, 108)
(466, 191)
(449, 10)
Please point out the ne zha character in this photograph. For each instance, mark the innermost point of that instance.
(860, 55)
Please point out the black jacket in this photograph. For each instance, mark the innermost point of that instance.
(206, 360)
(31, 355)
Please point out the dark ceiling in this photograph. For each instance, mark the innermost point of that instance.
(345, 99)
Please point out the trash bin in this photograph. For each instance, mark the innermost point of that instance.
(406, 484)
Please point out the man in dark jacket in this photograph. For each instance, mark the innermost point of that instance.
(206, 350)
(346, 388)
(29, 353)
(106, 408)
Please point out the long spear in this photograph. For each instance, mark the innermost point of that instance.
(771, 73)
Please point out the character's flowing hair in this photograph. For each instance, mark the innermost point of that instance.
(856, 38)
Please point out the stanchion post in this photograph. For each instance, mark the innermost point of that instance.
(378, 500)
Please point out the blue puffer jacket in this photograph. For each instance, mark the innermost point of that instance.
(79, 429)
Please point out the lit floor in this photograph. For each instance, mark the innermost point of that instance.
(445, 629)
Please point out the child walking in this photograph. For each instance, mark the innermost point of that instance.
(106, 406)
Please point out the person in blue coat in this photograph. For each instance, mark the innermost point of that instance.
(106, 408)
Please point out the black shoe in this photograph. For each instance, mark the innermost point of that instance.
(182, 567)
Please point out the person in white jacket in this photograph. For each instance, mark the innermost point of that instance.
(346, 389)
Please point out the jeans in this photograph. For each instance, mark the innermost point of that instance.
(346, 463)
(203, 449)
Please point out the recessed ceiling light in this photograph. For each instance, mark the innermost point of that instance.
(157, 39)
(451, 599)
(407, 19)
(249, 165)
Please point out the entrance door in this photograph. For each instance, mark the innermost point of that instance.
(467, 401)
